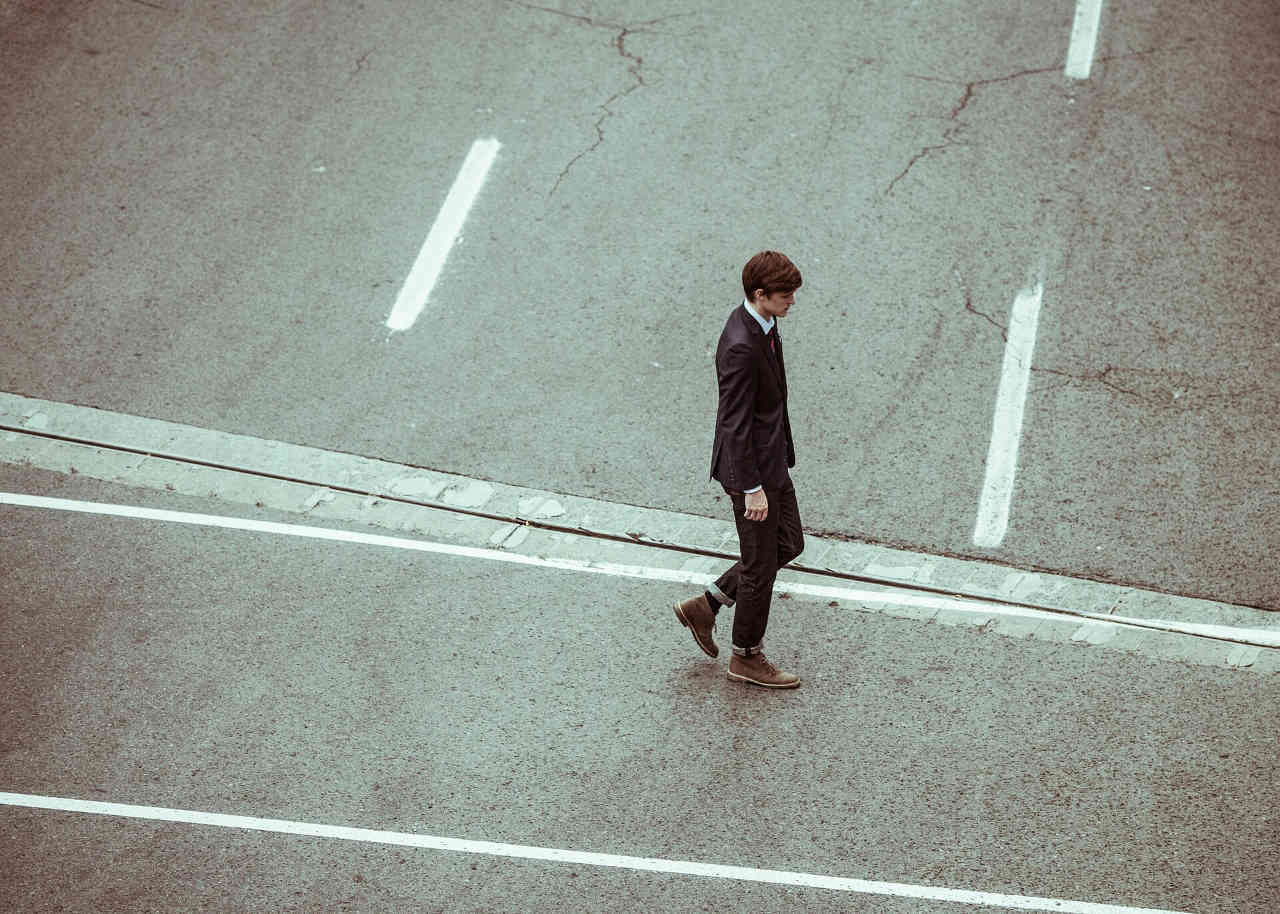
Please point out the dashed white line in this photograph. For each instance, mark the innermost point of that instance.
(444, 232)
(1246, 636)
(1006, 428)
(581, 858)
(1084, 37)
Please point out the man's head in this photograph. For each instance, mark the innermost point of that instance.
(770, 280)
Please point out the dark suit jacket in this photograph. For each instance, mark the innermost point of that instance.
(753, 433)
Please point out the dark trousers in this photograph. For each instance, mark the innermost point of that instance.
(765, 546)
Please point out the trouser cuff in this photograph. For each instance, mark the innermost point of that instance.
(719, 595)
(749, 651)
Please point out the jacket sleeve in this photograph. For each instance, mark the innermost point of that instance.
(737, 377)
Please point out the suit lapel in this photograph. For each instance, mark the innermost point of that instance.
(762, 345)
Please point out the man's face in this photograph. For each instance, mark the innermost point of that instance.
(775, 305)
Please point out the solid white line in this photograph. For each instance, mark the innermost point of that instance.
(1006, 429)
(1254, 636)
(1084, 36)
(582, 858)
(435, 250)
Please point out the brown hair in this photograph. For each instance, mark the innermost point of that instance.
(772, 272)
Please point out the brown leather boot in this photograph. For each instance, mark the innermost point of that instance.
(695, 614)
(759, 671)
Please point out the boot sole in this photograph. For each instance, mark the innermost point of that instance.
(711, 650)
(738, 677)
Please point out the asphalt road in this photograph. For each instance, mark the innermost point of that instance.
(210, 212)
(246, 673)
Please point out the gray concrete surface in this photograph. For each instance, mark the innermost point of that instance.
(235, 672)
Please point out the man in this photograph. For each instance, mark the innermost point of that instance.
(750, 458)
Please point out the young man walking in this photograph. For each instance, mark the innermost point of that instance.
(750, 458)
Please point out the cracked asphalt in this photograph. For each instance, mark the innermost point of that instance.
(214, 238)
(620, 44)
(209, 211)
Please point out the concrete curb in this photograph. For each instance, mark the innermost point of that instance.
(194, 461)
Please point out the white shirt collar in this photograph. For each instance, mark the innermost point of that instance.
(766, 326)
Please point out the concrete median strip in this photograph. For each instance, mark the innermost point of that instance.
(493, 521)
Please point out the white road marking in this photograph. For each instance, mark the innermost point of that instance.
(1084, 37)
(1248, 636)
(1006, 428)
(444, 232)
(582, 858)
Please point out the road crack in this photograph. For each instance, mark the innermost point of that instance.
(606, 112)
(971, 88)
(634, 63)
(958, 126)
(1102, 377)
(362, 62)
(968, 306)
(1162, 389)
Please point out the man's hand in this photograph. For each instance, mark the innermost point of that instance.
(757, 505)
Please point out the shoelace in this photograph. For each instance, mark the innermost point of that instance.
(768, 667)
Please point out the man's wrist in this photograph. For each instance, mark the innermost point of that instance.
(751, 491)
